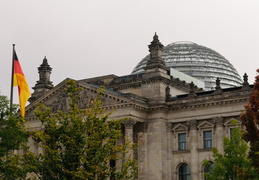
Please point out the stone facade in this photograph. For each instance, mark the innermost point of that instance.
(175, 124)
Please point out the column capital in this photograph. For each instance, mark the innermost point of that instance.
(129, 123)
(141, 127)
(169, 127)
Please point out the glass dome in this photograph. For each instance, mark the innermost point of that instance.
(199, 62)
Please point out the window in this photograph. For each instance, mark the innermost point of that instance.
(231, 132)
(182, 141)
(184, 172)
(207, 139)
(112, 165)
(207, 168)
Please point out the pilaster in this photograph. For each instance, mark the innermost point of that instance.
(129, 125)
(194, 161)
(219, 132)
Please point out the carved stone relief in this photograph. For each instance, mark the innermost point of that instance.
(218, 120)
(60, 103)
(192, 124)
(83, 100)
(169, 126)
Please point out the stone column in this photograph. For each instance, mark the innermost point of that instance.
(194, 162)
(129, 124)
(156, 150)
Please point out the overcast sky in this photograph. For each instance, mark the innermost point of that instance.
(89, 38)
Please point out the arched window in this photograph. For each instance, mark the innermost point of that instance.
(184, 172)
(207, 168)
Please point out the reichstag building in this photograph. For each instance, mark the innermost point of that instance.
(179, 100)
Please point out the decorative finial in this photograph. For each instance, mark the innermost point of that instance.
(156, 49)
(245, 86)
(245, 78)
(155, 60)
(155, 37)
(45, 61)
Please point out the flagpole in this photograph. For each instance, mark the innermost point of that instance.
(11, 94)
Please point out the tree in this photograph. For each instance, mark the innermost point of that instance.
(234, 163)
(80, 144)
(250, 118)
(12, 138)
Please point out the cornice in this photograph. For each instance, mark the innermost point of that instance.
(209, 100)
(200, 104)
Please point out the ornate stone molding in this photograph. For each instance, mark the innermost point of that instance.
(169, 127)
(192, 124)
(218, 120)
(60, 103)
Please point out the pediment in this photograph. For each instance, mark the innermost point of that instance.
(180, 127)
(230, 122)
(58, 100)
(205, 124)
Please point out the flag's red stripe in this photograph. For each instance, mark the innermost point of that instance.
(17, 68)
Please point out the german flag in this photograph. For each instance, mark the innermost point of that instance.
(20, 81)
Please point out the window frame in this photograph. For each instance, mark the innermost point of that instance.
(180, 143)
(207, 168)
(184, 172)
(207, 140)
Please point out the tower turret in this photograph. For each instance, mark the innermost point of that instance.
(44, 84)
(157, 72)
(156, 50)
